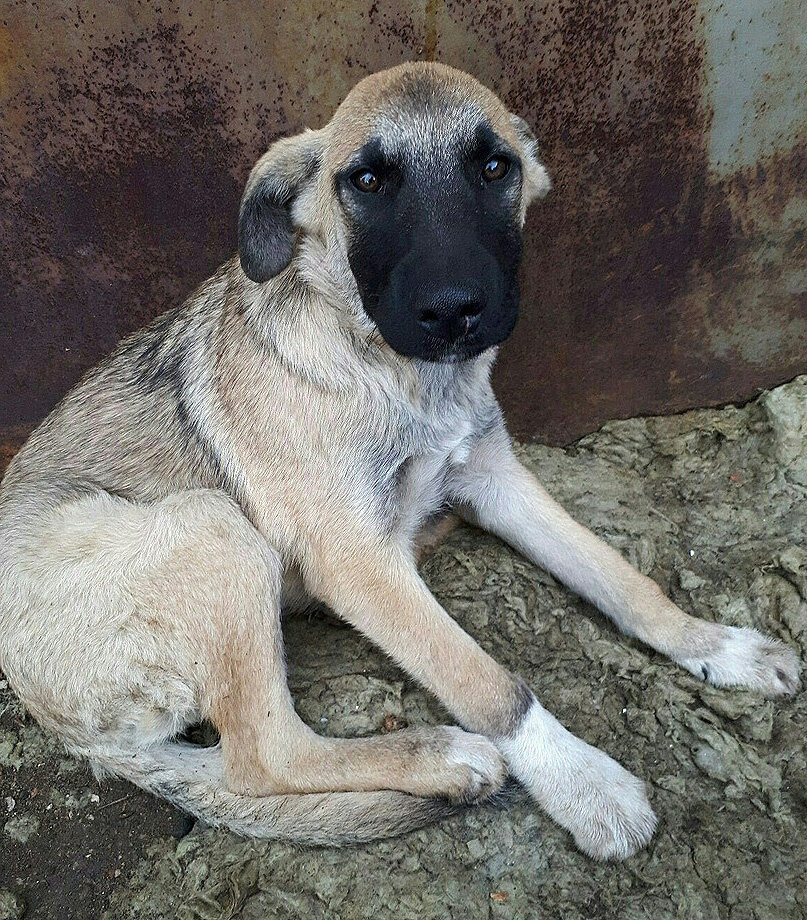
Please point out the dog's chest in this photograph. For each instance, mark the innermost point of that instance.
(418, 484)
(432, 439)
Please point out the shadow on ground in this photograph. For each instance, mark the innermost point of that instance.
(712, 504)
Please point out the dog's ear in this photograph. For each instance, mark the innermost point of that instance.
(266, 227)
(536, 179)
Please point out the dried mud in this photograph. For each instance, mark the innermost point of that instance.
(712, 504)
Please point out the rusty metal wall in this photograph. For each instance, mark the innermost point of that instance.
(667, 269)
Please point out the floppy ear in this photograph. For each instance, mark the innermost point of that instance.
(266, 231)
(536, 179)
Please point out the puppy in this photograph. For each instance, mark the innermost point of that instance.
(286, 435)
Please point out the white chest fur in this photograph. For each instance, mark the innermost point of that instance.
(421, 479)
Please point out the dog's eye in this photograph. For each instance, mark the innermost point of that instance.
(366, 180)
(496, 168)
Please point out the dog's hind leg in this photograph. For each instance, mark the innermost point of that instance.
(153, 615)
(267, 748)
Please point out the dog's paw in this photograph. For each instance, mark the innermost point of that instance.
(603, 805)
(746, 658)
(606, 808)
(449, 762)
(476, 767)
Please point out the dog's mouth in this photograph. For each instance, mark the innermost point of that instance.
(440, 352)
(442, 340)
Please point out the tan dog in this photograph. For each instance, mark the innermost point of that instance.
(285, 435)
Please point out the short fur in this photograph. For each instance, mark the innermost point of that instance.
(263, 445)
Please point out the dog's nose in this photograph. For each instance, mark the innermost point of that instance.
(452, 313)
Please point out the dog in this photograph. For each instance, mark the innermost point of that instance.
(290, 434)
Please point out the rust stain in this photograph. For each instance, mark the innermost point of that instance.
(96, 248)
(638, 253)
(9, 53)
(430, 43)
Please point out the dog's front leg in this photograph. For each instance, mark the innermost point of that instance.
(494, 490)
(376, 587)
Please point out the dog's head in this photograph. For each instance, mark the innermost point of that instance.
(418, 189)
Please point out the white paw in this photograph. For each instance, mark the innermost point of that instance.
(605, 807)
(583, 789)
(482, 767)
(746, 658)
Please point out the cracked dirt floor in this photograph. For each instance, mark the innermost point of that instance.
(713, 505)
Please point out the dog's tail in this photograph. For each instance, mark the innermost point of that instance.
(192, 778)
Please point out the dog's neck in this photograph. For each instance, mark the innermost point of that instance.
(312, 322)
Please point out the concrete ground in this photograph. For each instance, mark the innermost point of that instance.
(713, 505)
